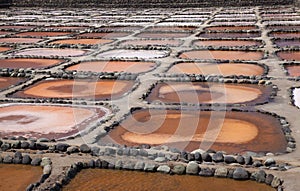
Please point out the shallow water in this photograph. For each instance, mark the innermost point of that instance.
(116, 180)
(202, 92)
(51, 52)
(230, 43)
(18, 177)
(82, 41)
(213, 68)
(233, 132)
(37, 121)
(113, 66)
(88, 89)
(28, 63)
(222, 55)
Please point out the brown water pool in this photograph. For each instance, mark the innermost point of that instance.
(87, 89)
(20, 40)
(6, 82)
(163, 34)
(285, 42)
(3, 49)
(52, 122)
(16, 27)
(283, 27)
(43, 34)
(28, 63)
(293, 70)
(116, 180)
(132, 53)
(233, 132)
(230, 43)
(225, 69)
(222, 54)
(51, 52)
(230, 28)
(204, 92)
(18, 177)
(285, 34)
(144, 42)
(289, 55)
(113, 66)
(230, 35)
(171, 28)
(121, 28)
(104, 35)
(86, 41)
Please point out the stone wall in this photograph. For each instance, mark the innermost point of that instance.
(148, 3)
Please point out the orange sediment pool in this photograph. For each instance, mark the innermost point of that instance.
(214, 68)
(43, 34)
(293, 70)
(205, 93)
(18, 177)
(3, 49)
(289, 55)
(285, 42)
(222, 55)
(20, 40)
(86, 41)
(163, 35)
(104, 35)
(233, 132)
(230, 35)
(285, 34)
(116, 180)
(51, 52)
(144, 42)
(230, 28)
(28, 63)
(78, 88)
(171, 28)
(227, 43)
(113, 66)
(52, 122)
(6, 82)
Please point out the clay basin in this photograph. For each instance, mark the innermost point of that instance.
(18, 177)
(171, 28)
(121, 28)
(131, 53)
(20, 40)
(6, 82)
(222, 54)
(285, 34)
(51, 52)
(230, 35)
(16, 27)
(85, 41)
(230, 28)
(293, 70)
(233, 132)
(113, 66)
(51, 122)
(224, 69)
(296, 97)
(229, 43)
(207, 93)
(145, 42)
(233, 23)
(28, 63)
(163, 34)
(289, 55)
(283, 27)
(104, 35)
(285, 42)
(3, 49)
(43, 34)
(66, 27)
(116, 180)
(80, 89)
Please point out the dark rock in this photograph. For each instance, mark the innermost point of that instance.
(110, 151)
(269, 179)
(229, 159)
(18, 158)
(240, 159)
(206, 157)
(111, 165)
(257, 164)
(72, 149)
(143, 153)
(240, 174)
(62, 147)
(104, 164)
(24, 145)
(126, 151)
(230, 173)
(269, 162)
(98, 163)
(207, 172)
(95, 151)
(119, 164)
(150, 167)
(16, 145)
(178, 169)
(26, 159)
(32, 145)
(91, 164)
(43, 140)
(84, 148)
(139, 165)
(8, 159)
(261, 176)
(120, 152)
(198, 157)
(44, 177)
(5, 146)
(41, 146)
(36, 161)
(133, 152)
(184, 155)
(248, 160)
(218, 157)
(190, 157)
(30, 187)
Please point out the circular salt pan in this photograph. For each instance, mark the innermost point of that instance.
(140, 54)
(46, 121)
(296, 93)
(50, 52)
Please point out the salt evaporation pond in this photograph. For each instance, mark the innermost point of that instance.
(29, 63)
(296, 97)
(230, 43)
(66, 52)
(84, 41)
(289, 55)
(6, 82)
(131, 53)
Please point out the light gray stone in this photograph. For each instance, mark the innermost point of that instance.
(240, 174)
(221, 172)
(192, 168)
(47, 169)
(164, 169)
